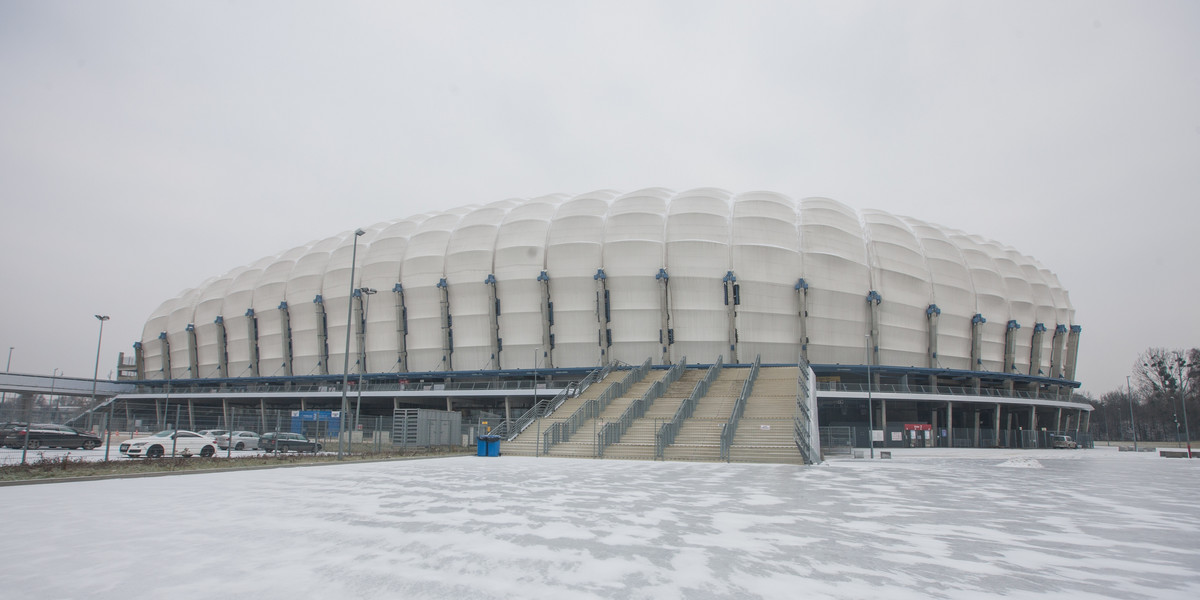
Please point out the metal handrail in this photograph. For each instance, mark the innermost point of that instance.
(803, 419)
(612, 431)
(826, 386)
(665, 436)
(730, 427)
(545, 407)
(562, 431)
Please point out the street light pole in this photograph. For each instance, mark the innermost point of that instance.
(870, 404)
(346, 362)
(1132, 424)
(4, 395)
(96, 376)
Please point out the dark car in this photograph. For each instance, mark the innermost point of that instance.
(45, 435)
(284, 442)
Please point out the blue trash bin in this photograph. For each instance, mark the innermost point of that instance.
(489, 445)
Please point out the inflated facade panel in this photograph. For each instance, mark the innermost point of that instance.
(576, 281)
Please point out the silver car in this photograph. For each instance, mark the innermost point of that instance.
(242, 440)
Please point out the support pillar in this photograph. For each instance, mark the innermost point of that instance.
(449, 405)
(883, 418)
(508, 415)
(1058, 419)
(447, 326)
(949, 424)
(285, 338)
(262, 413)
(873, 301)
(222, 348)
(1035, 350)
(603, 315)
(666, 335)
(977, 322)
(932, 314)
(225, 413)
(252, 340)
(191, 416)
(166, 356)
(733, 298)
(547, 319)
(139, 360)
(802, 311)
(1072, 352)
(934, 423)
(193, 359)
(1056, 355)
(401, 330)
(997, 432)
(494, 321)
(1010, 352)
(322, 336)
(360, 328)
(977, 427)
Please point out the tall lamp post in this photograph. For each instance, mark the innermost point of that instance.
(96, 376)
(1132, 424)
(346, 357)
(870, 404)
(7, 368)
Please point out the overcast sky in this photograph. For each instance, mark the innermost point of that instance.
(147, 146)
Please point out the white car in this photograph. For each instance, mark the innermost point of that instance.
(242, 440)
(164, 442)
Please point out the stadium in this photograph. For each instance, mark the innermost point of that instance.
(654, 324)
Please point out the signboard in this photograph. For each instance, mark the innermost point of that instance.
(897, 436)
(918, 427)
(877, 435)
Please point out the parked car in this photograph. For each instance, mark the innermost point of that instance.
(8, 428)
(284, 441)
(161, 443)
(1064, 441)
(242, 440)
(213, 433)
(46, 435)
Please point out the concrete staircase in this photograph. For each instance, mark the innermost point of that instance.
(699, 437)
(526, 444)
(583, 443)
(764, 433)
(638, 441)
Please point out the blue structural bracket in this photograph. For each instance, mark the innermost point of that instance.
(1076, 329)
(1013, 324)
(729, 276)
(190, 327)
(219, 320)
(599, 274)
(442, 283)
(662, 274)
(978, 318)
(932, 310)
(249, 312)
(1060, 329)
(801, 284)
(318, 300)
(399, 289)
(137, 345)
(543, 276)
(1039, 327)
(283, 306)
(491, 279)
(873, 296)
(356, 293)
(162, 335)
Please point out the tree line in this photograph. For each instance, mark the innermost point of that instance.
(1161, 390)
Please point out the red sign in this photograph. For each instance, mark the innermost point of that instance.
(917, 427)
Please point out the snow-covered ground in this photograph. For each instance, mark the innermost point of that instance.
(925, 524)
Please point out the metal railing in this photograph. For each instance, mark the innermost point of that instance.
(612, 431)
(561, 431)
(730, 427)
(665, 436)
(545, 407)
(826, 386)
(803, 421)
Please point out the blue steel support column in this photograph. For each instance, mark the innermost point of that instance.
(603, 315)
(666, 336)
(493, 321)
(166, 354)
(322, 336)
(1056, 355)
(285, 338)
(139, 360)
(932, 314)
(193, 359)
(547, 308)
(977, 322)
(732, 299)
(252, 340)
(1010, 351)
(1072, 352)
(401, 330)
(1035, 352)
(802, 313)
(447, 327)
(873, 301)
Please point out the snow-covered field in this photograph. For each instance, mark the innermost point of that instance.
(926, 524)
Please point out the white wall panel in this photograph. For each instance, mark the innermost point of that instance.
(302, 289)
(520, 258)
(835, 267)
(381, 272)
(633, 254)
(990, 299)
(766, 258)
(268, 292)
(152, 346)
(424, 265)
(183, 314)
(336, 290)
(574, 252)
(697, 258)
(1021, 303)
(953, 293)
(469, 259)
(901, 276)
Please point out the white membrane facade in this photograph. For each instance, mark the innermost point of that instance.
(579, 281)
